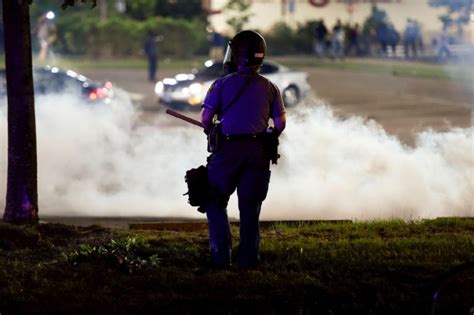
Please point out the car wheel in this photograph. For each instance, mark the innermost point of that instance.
(291, 96)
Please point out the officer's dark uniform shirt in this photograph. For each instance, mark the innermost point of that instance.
(260, 101)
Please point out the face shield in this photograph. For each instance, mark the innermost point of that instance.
(228, 53)
(229, 67)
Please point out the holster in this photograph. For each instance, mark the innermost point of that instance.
(214, 138)
(270, 146)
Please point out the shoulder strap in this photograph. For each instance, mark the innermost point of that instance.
(237, 96)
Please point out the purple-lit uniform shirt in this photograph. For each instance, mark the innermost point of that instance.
(260, 101)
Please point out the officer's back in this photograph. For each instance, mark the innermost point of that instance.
(243, 101)
(251, 111)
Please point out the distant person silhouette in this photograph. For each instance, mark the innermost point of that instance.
(151, 52)
(216, 51)
(319, 42)
(45, 31)
(337, 40)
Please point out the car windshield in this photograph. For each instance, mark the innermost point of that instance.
(268, 68)
(217, 69)
(214, 70)
(48, 82)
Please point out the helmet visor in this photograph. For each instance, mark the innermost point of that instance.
(228, 53)
(229, 67)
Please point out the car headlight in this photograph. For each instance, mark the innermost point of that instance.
(195, 94)
(159, 86)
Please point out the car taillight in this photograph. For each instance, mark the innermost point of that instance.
(93, 95)
(98, 93)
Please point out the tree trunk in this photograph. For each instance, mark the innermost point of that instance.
(22, 187)
(103, 10)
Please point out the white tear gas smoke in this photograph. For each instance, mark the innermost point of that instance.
(351, 168)
(97, 160)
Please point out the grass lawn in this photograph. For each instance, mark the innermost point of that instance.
(389, 67)
(381, 267)
(80, 63)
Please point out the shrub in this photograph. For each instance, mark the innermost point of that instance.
(80, 33)
(280, 40)
(284, 40)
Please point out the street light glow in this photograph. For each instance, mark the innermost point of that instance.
(50, 15)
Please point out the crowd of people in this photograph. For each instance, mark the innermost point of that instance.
(375, 38)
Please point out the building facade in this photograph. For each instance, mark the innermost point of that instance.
(265, 13)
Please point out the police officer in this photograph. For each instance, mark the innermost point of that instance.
(245, 102)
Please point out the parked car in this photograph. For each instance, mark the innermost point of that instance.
(52, 80)
(187, 91)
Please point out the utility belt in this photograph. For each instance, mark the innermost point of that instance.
(215, 140)
(215, 137)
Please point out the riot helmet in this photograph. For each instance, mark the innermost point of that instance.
(246, 49)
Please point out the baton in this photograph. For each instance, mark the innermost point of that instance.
(185, 118)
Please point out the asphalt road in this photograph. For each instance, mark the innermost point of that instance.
(403, 106)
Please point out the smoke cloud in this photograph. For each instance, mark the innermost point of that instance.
(102, 161)
(352, 169)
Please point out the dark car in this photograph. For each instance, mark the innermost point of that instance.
(52, 80)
